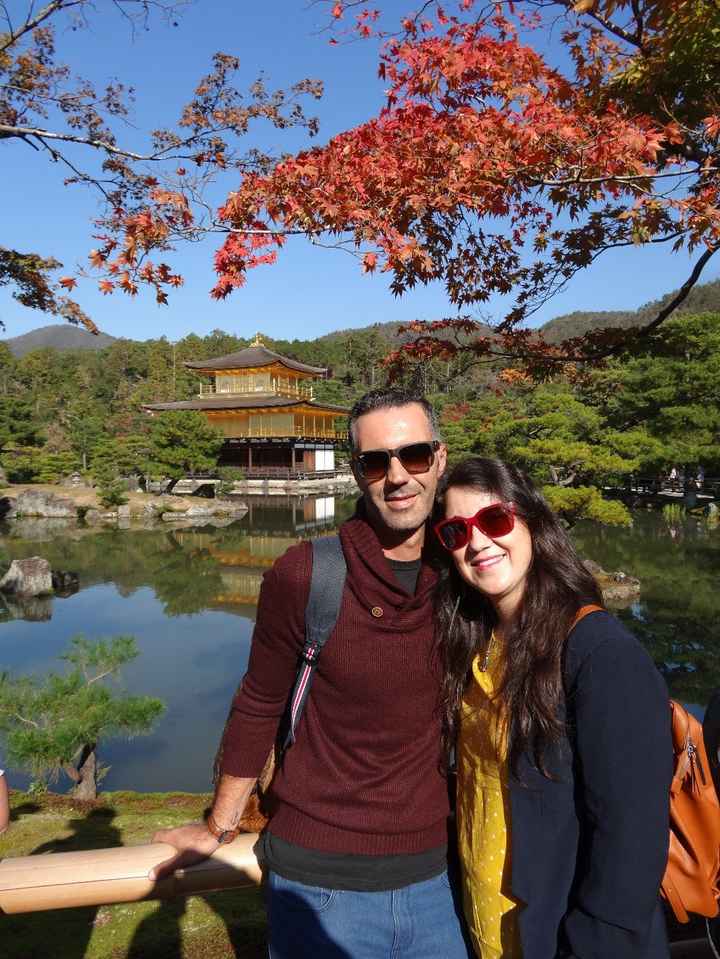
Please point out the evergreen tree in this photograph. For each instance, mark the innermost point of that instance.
(54, 724)
(182, 441)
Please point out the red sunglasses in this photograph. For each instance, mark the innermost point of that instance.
(494, 521)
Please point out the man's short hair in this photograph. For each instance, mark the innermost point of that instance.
(389, 398)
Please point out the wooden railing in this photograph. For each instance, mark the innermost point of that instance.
(245, 431)
(277, 389)
(658, 486)
(289, 472)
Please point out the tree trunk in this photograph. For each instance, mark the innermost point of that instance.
(86, 769)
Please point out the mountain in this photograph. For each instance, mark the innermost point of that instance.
(59, 336)
(701, 299)
(324, 349)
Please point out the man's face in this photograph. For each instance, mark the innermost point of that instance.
(400, 501)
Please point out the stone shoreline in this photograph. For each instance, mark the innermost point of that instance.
(70, 505)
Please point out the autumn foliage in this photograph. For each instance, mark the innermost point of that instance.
(519, 142)
(153, 193)
(495, 170)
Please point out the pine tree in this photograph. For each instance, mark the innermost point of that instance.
(54, 724)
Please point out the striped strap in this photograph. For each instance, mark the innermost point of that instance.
(326, 588)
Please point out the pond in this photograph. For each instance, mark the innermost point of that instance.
(189, 595)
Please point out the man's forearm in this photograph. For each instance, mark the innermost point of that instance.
(231, 796)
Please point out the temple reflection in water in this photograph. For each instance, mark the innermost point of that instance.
(246, 549)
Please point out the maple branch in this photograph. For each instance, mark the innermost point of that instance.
(628, 178)
(30, 24)
(681, 293)
(634, 39)
(83, 177)
(639, 20)
(250, 232)
(6, 131)
(560, 280)
(6, 14)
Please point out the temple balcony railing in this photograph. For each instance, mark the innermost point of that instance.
(279, 432)
(276, 388)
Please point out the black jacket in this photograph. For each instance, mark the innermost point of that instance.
(589, 847)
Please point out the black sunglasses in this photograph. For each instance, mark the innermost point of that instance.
(494, 521)
(414, 458)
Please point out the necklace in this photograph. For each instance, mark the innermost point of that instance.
(488, 650)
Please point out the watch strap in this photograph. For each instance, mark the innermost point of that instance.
(223, 836)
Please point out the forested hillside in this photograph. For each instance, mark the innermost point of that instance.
(639, 413)
(701, 299)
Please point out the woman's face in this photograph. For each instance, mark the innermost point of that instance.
(497, 568)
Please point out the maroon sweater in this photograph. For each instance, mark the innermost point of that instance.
(363, 775)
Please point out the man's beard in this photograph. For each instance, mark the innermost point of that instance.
(403, 521)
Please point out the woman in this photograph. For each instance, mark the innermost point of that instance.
(561, 732)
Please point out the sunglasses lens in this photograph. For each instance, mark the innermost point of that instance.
(493, 521)
(374, 464)
(496, 521)
(453, 534)
(417, 458)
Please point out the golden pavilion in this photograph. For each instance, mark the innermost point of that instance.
(264, 405)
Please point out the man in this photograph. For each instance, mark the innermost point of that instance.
(356, 849)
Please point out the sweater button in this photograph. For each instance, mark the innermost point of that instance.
(377, 611)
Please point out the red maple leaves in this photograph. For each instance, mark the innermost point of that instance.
(493, 170)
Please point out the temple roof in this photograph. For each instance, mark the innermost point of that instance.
(249, 402)
(255, 355)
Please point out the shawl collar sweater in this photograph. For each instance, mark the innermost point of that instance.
(364, 775)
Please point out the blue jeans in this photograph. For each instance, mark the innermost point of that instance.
(421, 921)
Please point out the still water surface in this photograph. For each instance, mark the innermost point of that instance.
(189, 595)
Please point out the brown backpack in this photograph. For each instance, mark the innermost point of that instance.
(690, 883)
(692, 874)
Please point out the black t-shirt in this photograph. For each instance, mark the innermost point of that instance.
(335, 870)
(406, 573)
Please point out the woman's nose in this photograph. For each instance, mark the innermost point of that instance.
(478, 539)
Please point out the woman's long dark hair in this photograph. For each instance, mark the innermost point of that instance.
(558, 584)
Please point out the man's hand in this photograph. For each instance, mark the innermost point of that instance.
(194, 843)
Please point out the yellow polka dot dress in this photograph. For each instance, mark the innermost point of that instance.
(483, 819)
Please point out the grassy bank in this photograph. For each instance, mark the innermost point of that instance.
(223, 925)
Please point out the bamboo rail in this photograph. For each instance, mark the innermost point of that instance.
(101, 877)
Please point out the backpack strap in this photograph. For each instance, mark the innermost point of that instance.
(329, 571)
(583, 612)
(568, 671)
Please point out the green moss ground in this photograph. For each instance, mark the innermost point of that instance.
(223, 925)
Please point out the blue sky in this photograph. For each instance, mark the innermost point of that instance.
(309, 291)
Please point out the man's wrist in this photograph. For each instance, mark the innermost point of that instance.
(223, 834)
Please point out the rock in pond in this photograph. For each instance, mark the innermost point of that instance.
(35, 502)
(201, 510)
(618, 589)
(28, 577)
(64, 582)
